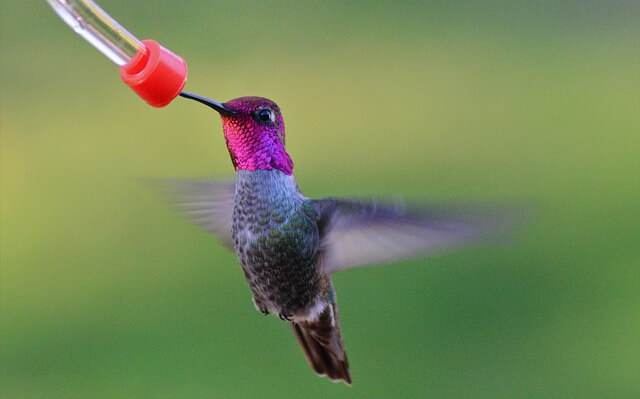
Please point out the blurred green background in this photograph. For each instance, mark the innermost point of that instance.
(105, 293)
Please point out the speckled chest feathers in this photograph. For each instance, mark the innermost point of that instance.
(276, 238)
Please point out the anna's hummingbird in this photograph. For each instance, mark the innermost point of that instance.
(289, 245)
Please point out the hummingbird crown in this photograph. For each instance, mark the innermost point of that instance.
(254, 132)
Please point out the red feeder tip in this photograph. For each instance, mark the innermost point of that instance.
(155, 74)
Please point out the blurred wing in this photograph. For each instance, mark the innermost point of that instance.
(355, 233)
(207, 203)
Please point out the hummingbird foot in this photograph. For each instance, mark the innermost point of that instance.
(285, 317)
(260, 306)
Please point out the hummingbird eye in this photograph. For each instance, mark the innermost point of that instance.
(265, 116)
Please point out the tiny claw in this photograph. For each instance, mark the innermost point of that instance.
(284, 317)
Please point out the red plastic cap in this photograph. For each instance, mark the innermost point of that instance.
(155, 74)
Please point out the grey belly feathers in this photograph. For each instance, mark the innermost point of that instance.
(275, 234)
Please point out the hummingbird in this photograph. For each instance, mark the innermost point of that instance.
(289, 245)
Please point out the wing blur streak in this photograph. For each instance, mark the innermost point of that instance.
(356, 233)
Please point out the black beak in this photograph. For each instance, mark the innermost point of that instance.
(208, 102)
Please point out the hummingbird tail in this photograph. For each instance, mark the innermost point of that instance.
(322, 345)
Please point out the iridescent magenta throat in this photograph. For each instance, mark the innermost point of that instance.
(253, 149)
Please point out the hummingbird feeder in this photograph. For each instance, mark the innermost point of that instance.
(156, 74)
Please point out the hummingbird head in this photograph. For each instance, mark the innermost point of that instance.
(254, 131)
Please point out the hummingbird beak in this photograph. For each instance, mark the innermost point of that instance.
(208, 102)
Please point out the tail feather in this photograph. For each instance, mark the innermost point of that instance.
(322, 345)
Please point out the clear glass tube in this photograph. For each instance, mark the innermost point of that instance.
(90, 21)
